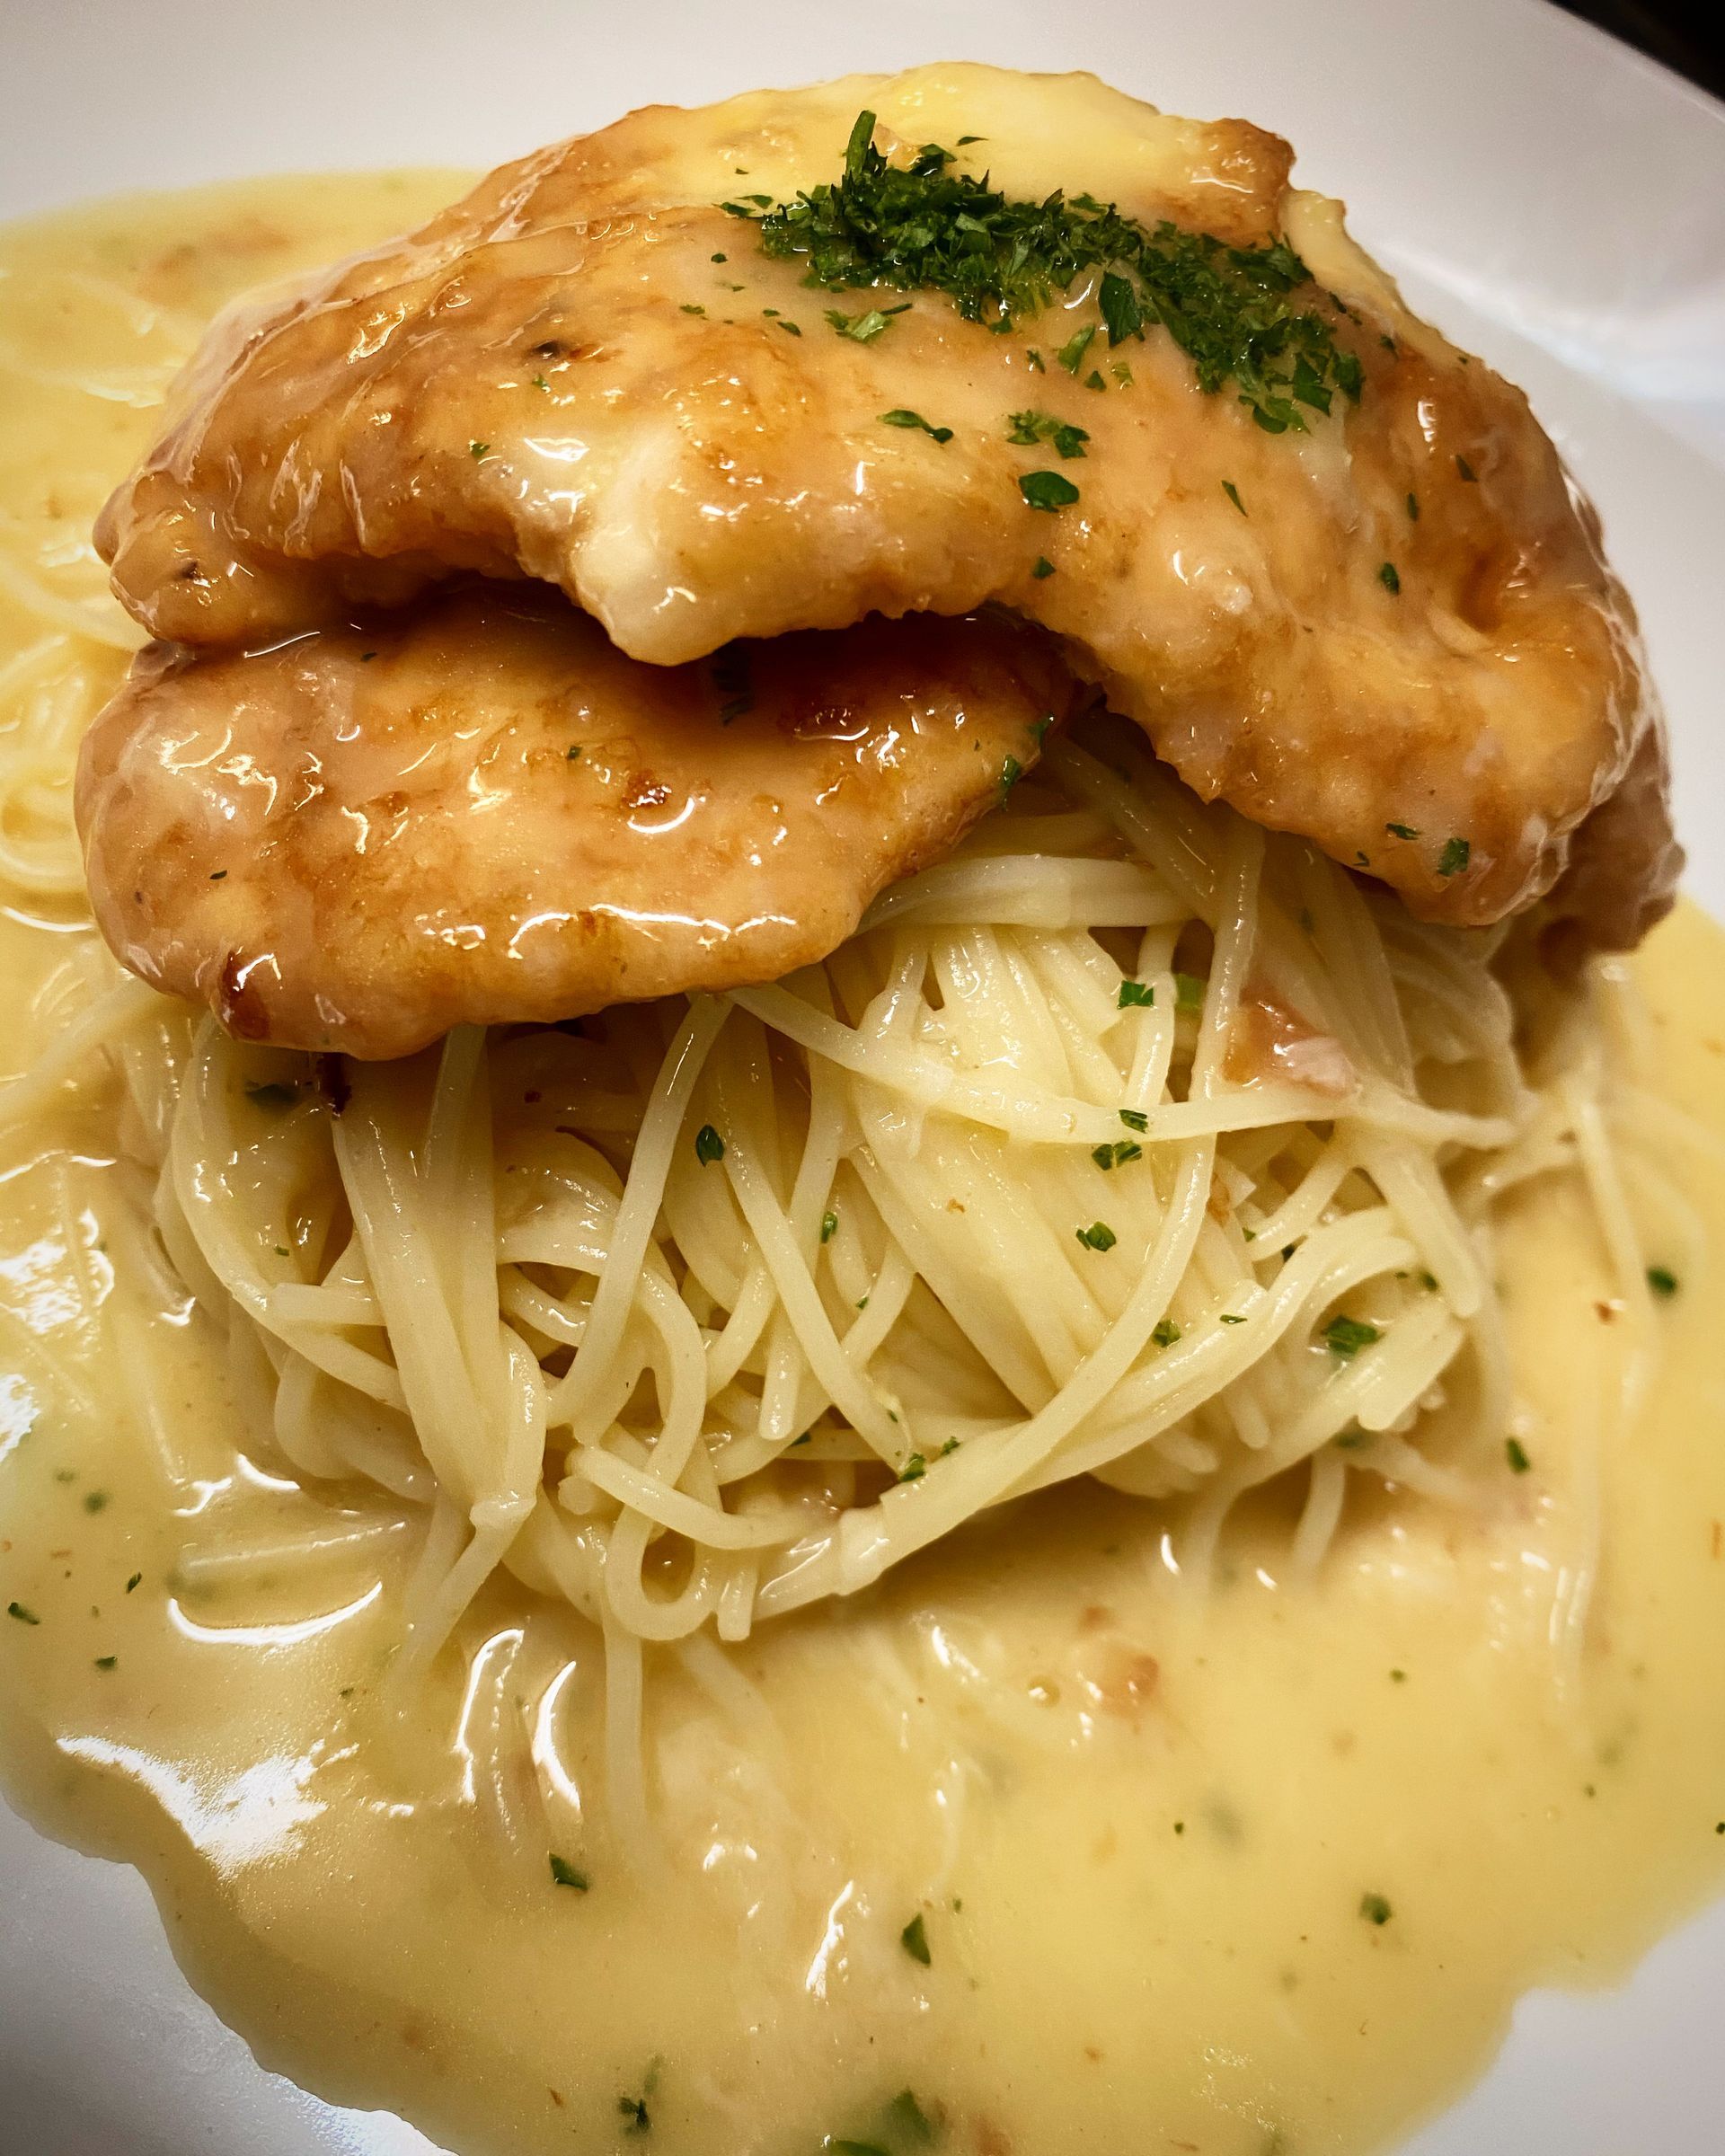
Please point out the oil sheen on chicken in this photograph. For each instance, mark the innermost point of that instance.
(1393, 630)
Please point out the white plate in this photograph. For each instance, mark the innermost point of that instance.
(1558, 203)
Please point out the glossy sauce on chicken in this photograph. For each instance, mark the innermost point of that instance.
(1386, 624)
(477, 809)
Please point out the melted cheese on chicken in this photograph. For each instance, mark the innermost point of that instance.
(1394, 632)
(482, 811)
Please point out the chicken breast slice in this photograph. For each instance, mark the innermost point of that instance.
(478, 811)
(1389, 626)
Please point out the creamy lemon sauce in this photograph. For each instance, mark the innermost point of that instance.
(1031, 1849)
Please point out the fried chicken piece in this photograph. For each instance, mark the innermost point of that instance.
(1393, 632)
(478, 810)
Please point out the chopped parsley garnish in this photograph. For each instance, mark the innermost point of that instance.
(1232, 493)
(1026, 429)
(913, 1470)
(1097, 1236)
(1071, 354)
(1093, 380)
(272, 1095)
(1166, 1333)
(133, 1581)
(1401, 830)
(1375, 1909)
(923, 227)
(828, 1226)
(1188, 992)
(539, 382)
(1038, 729)
(863, 328)
(1231, 1317)
(901, 418)
(564, 1874)
(1033, 360)
(477, 449)
(1516, 1453)
(24, 1616)
(1135, 1118)
(1467, 472)
(1389, 577)
(1454, 858)
(1011, 772)
(1345, 1335)
(1041, 567)
(1135, 991)
(950, 1446)
(1661, 1281)
(1413, 509)
(914, 1940)
(219, 875)
(717, 258)
(634, 2110)
(1115, 1155)
(709, 1146)
(95, 1500)
(791, 329)
(1047, 491)
(107, 1661)
(689, 308)
(574, 753)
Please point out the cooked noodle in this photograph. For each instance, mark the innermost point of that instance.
(1131, 1142)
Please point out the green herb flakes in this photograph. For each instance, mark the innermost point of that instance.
(24, 1616)
(1413, 509)
(1071, 354)
(1455, 856)
(1041, 567)
(1375, 1909)
(95, 1500)
(1011, 772)
(1166, 1333)
(107, 1661)
(1117, 1154)
(914, 1940)
(1344, 1336)
(1389, 577)
(709, 1146)
(902, 418)
(1661, 1281)
(1232, 493)
(477, 449)
(1097, 1236)
(574, 753)
(1188, 992)
(1135, 1118)
(1467, 472)
(133, 1581)
(689, 308)
(1131, 993)
(914, 1469)
(564, 1874)
(1403, 830)
(1047, 491)
(1026, 429)
(828, 1226)
(633, 2108)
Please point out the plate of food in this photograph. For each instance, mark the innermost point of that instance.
(865, 1140)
